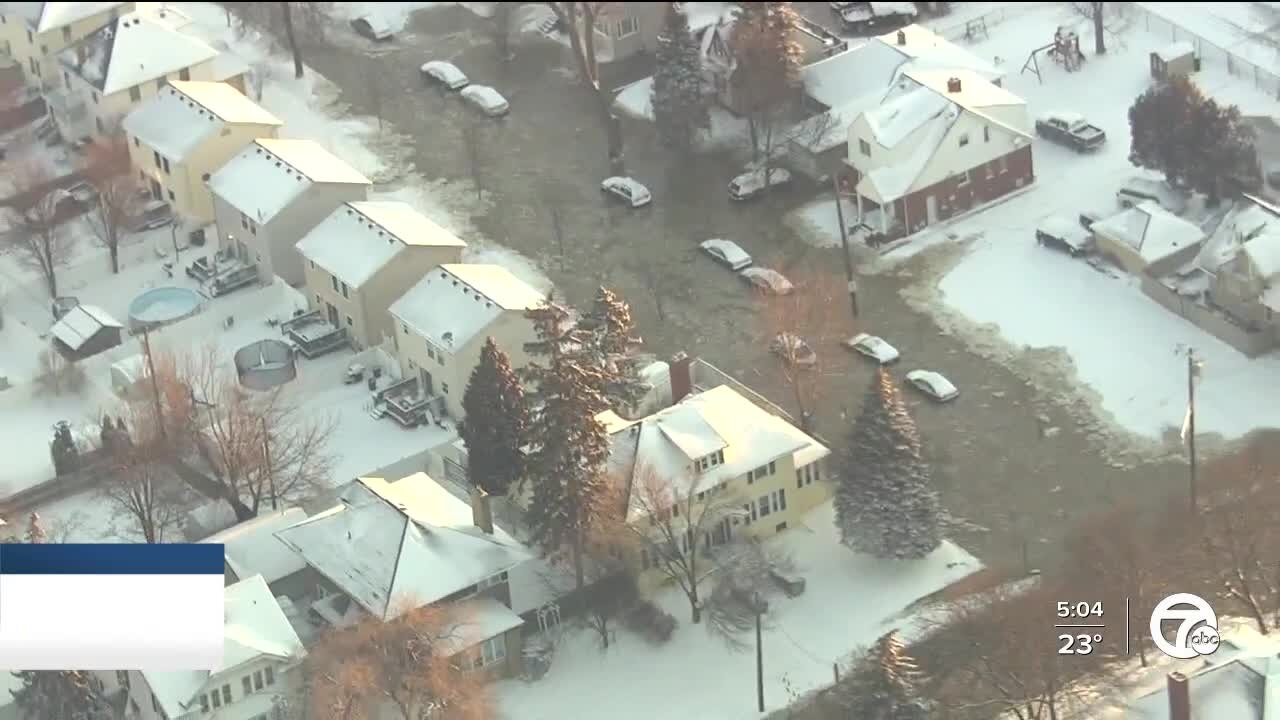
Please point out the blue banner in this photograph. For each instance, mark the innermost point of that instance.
(111, 559)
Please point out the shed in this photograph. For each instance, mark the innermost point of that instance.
(86, 330)
(1172, 60)
(1148, 238)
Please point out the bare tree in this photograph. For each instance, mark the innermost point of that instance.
(472, 140)
(662, 279)
(800, 326)
(107, 169)
(579, 20)
(39, 242)
(766, 76)
(286, 14)
(502, 13)
(1094, 12)
(58, 375)
(744, 584)
(142, 487)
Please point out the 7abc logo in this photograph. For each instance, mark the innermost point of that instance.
(1197, 632)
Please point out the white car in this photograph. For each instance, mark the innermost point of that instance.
(873, 347)
(372, 26)
(83, 192)
(793, 349)
(770, 282)
(628, 190)
(751, 183)
(445, 73)
(727, 253)
(486, 99)
(933, 384)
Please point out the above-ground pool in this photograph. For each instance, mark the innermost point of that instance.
(161, 306)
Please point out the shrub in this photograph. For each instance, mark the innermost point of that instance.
(650, 621)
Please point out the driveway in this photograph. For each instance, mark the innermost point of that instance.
(995, 467)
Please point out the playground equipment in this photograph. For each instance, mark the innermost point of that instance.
(1064, 51)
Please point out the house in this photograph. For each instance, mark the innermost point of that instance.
(716, 445)
(623, 30)
(113, 69)
(33, 33)
(389, 547)
(365, 256)
(1240, 681)
(261, 657)
(940, 143)
(252, 548)
(84, 331)
(182, 134)
(1147, 238)
(272, 194)
(444, 320)
(1242, 259)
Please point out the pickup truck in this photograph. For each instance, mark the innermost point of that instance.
(1071, 130)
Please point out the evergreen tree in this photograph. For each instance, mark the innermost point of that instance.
(611, 344)
(497, 420)
(883, 684)
(680, 103)
(62, 694)
(885, 503)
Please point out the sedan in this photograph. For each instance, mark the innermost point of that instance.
(486, 99)
(727, 253)
(873, 347)
(750, 184)
(373, 27)
(933, 384)
(628, 190)
(793, 350)
(769, 282)
(445, 73)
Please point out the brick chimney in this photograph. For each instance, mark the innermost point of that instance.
(902, 37)
(953, 85)
(481, 511)
(680, 368)
(1179, 697)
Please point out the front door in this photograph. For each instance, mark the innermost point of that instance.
(931, 208)
(333, 314)
(424, 380)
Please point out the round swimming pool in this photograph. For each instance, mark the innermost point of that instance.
(161, 306)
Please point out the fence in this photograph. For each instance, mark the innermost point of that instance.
(1251, 343)
(1237, 66)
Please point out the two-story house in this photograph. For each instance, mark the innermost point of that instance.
(33, 33)
(389, 547)
(181, 135)
(940, 143)
(1245, 277)
(261, 657)
(443, 321)
(113, 69)
(272, 194)
(252, 548)
(364, 257)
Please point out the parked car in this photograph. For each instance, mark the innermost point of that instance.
(933, 384)
(445, 73)
(486, 99)
(873, 347)
(793, 349)
(83, 192)
(1060, 233)
(1070, 129)
(372, 26)
(767, 281)
(153, 215)
(877, 17)
(752, 183)
(1138, 190)
(727, 253)
(837, 7)
(1088, 218)
(628, 190)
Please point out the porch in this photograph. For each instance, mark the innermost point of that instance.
(313, 334)
(222, 272)
(409, 402)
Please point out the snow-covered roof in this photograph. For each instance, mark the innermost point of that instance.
(360, 238)
(394, 546)
(866, 69)
(893, 8)
(914, 108)
(1249, 218)
(479, 619)
(928, 50)
(669, 441)
(179, 118)
(46, 16)
(1264, 253)
(1240, 681)
(272, 172)
(1173, 51)
(908, 111)
(253, 549)
(81, 323)
(1152, 231)
(255, 627)
(454, 303)
(134, 49)
(975, 93)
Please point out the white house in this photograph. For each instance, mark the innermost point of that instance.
(180, 136)
(33, 33)
(260, 659)
(1241, 681)
(272, 194)
(252, 548)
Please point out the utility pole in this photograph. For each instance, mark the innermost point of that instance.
(1193, 373)
(759, 655)
(266, 456)
(155, 384)
(844, 245)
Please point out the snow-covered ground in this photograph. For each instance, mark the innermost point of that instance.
(696, 676)
(394, 14)
(727, 129)
(817, 221)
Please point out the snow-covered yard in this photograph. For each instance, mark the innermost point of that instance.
(849, 601)
(727, 129)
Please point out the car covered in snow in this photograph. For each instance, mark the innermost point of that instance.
(1070, 129)
(486, 100)
(873, 347)
(83, 193)
(752, 183)
(793, 350)
(628, 190)
(877, 17)
(767, 281)
(446, 74)
(1059, 233)
(372, 26)
(933, 384)
(727, 253)
(1137, 190)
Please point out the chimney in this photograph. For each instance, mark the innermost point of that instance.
(953, 85)
(481, 512)
(680, 367)
(1179, 697)
(902, 37)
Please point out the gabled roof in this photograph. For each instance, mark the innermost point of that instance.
(976, 94)
(179, 118)
(1249, 218)
(255, 627)
(392, 546)
(133, 49)
(46, 16)
(455, 303)
(252, 547)
(1241, 681)
(1264, 252)
(271, 173)
(928, 50)
(360, 238)
(1153, 232)
(81, 323)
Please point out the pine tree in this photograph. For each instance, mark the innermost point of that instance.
(883, 684)
(680, 103)
(612, 342)
(885, 503)
(497, 420)
(62, 694)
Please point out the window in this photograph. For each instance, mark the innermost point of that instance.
(160, 83)
(165, 162)
(440, 358)
(772, 468)
(492, 650)
(964, 139)
(779, 499)
(344, 291)
(246, 683)
(155, 155)
(122, 678)
(404, 329)
(626, 26)
(764, 506)
(172, 196)
(964, 179)
(444, 388)
(184, 74)
(136, 142)
(1003, 162)
(986, 133)
(780, 527)
(66, 79)
(269, 675)
(204, 703)
(253, 228)
(30, 38)
(257, 679)
(216, 698)
(319, 300)
(864, 147)
(749, 513)
(431, 353)
(990, 170)
(135, 94)
(349, 323)
(491, 581)
(334, 280)
(66, 33)
(226, 694)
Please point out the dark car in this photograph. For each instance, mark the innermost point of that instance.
(1061, 234)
